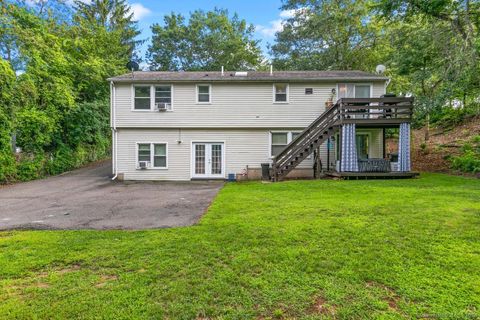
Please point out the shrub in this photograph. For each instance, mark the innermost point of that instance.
(35, 130)
(7, 159)
(31, 167)
(469, 160)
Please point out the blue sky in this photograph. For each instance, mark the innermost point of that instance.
(265, 15)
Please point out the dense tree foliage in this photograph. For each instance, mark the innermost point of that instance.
(55, 59)
(208, 41)
(431, 48)
(327, 34)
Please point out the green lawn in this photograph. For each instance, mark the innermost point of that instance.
(304, 250)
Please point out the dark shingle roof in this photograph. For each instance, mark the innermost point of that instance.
(261, 76)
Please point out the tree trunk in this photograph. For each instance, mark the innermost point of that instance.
(427, 128)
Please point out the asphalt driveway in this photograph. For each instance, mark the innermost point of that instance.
(88, 199)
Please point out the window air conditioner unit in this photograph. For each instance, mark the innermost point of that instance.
(162, 106)
(143, 164)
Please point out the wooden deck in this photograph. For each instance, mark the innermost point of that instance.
(374, 112)
(373, 175)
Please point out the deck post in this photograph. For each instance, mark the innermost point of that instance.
(404, 164)
(348, 160)
(384, 144)
(329, 146)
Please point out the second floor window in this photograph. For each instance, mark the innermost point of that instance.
(203, 93)
(350, 90)
(280, 92)
(163, 97)
(142, 98)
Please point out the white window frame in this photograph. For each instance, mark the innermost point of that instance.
(354, 85)
(289, 139)
(209, 93)
(152, 152)
(133, 97)
(171, 95)
(275, 95)
(152, 97)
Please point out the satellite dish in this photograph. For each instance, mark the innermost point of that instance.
(132, 65)
(380, 68)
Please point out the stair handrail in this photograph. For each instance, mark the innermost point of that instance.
(329, 114)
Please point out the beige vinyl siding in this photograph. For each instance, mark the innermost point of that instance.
(233, 105)
(375, 147)
(378, 89)
(242, 148)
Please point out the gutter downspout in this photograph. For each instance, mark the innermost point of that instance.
(114, 130)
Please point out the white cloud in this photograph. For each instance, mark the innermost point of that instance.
(285, 14)
(269, 32)
(139, 11)
(72, 2)
(277, 24)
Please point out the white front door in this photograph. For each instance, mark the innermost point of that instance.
(208, 160)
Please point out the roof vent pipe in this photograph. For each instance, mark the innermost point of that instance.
(271, 70)
(222, 71)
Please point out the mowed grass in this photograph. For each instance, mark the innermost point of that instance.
(293, 250)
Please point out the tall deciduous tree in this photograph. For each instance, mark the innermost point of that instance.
(436, 54)
(114, 16)
(327, 34)
(208, 41)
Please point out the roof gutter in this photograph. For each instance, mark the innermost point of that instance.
(273, 79)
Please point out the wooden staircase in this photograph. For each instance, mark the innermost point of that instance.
(304, 144)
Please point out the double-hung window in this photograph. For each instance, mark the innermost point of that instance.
(141, 98)
(203, 93)
(163, 97)
(279, 140)
(154, 154)
(144, 152)
(280, 92)
(159, 155)
(153, 98)
(351, 90)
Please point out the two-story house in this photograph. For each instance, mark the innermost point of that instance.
(212, 125)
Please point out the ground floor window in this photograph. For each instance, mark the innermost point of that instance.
(279, 140)
(362, 145)
(152, 155)
(362, 142)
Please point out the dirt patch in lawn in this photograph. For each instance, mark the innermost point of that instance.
(321, 306)
(390, 296)
(105, 279)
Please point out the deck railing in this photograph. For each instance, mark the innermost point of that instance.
(375, 110)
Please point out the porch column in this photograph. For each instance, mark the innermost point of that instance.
(349, 160)
(404, 148)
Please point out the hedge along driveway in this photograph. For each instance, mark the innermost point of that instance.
(306, 250)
